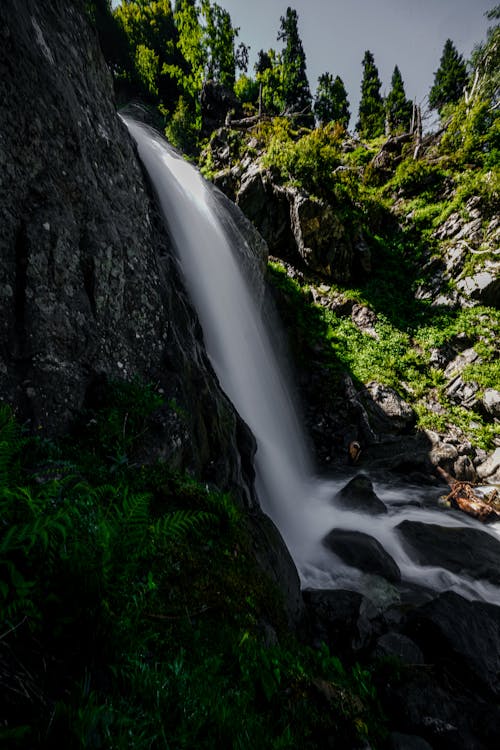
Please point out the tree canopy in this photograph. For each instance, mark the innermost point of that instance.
(331, 103)
(296, 91)
(371, 118)
(398, 108)
(449, 79)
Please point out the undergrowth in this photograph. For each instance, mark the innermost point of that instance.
(133, 613)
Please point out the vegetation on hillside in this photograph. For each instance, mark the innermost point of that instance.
(133, 614)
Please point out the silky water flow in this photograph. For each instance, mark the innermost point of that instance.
(243, 356)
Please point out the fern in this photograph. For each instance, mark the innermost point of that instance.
(11, 443)
(175, 526)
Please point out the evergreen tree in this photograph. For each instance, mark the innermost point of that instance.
(331, 103)
(296, 91)
(398, 108)
(449, 79)
(270, 77)
(371, 118)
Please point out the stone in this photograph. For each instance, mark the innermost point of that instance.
(399, 741)
(482, 287)
(461, 549)
(333, 616)
(491, 402)
(462, 633)
(387, 412)
(399, 646)
(362, 551)
(358, 495)
(267, 206)
(321, 237)
(489, 467)
(460, 362)
(365, 320)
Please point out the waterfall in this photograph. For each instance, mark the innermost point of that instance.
(236, 336)
(243, 356)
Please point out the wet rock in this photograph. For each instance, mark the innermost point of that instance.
(362, 551)
(333, 616)
(275, 560)
(463, 550)
(399, 646)
(463, 634)
(398, 741)
(359, 495)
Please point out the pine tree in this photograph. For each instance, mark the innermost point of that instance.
(331, 103)
(371, 119)
(398, 108)
(449, 79)
(296, 91)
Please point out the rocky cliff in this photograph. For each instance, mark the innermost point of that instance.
(88, 287)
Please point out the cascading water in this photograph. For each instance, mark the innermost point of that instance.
(241, 352)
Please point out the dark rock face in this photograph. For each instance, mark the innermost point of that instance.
(462, 550)
(88, 287)
(362, 551)
(465, 634)
(359, 495)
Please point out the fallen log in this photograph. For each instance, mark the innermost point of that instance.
(464, 497)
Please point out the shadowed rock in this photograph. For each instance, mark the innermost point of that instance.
(359, 495)
(466, 551)
(362, 551)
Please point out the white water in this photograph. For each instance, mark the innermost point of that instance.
(244, 360)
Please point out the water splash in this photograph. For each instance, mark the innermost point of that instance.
(242, 354)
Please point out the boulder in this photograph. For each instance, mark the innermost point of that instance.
(387, 411)
(460, 549)
(399, 646)
(461, 634)
(362, 551)
(489, 469)
(358, 495)
(267, 205)
(491, 402)
(399, 741)
(333, 616)
(322, 239)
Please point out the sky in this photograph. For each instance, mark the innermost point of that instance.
(335, 34)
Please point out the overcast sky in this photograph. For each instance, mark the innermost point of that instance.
(336, 33)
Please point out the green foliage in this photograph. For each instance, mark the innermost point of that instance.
(331, 104)
(296, 93)
(486, 62)
(398, 108)
(247, 90)
(270, 77)
(371, 117)
(473, 134)
(134, 610)
(183, 127)
(219, 38)
(309, 160)
(147, 66)
(413, 176)
(449, 79)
